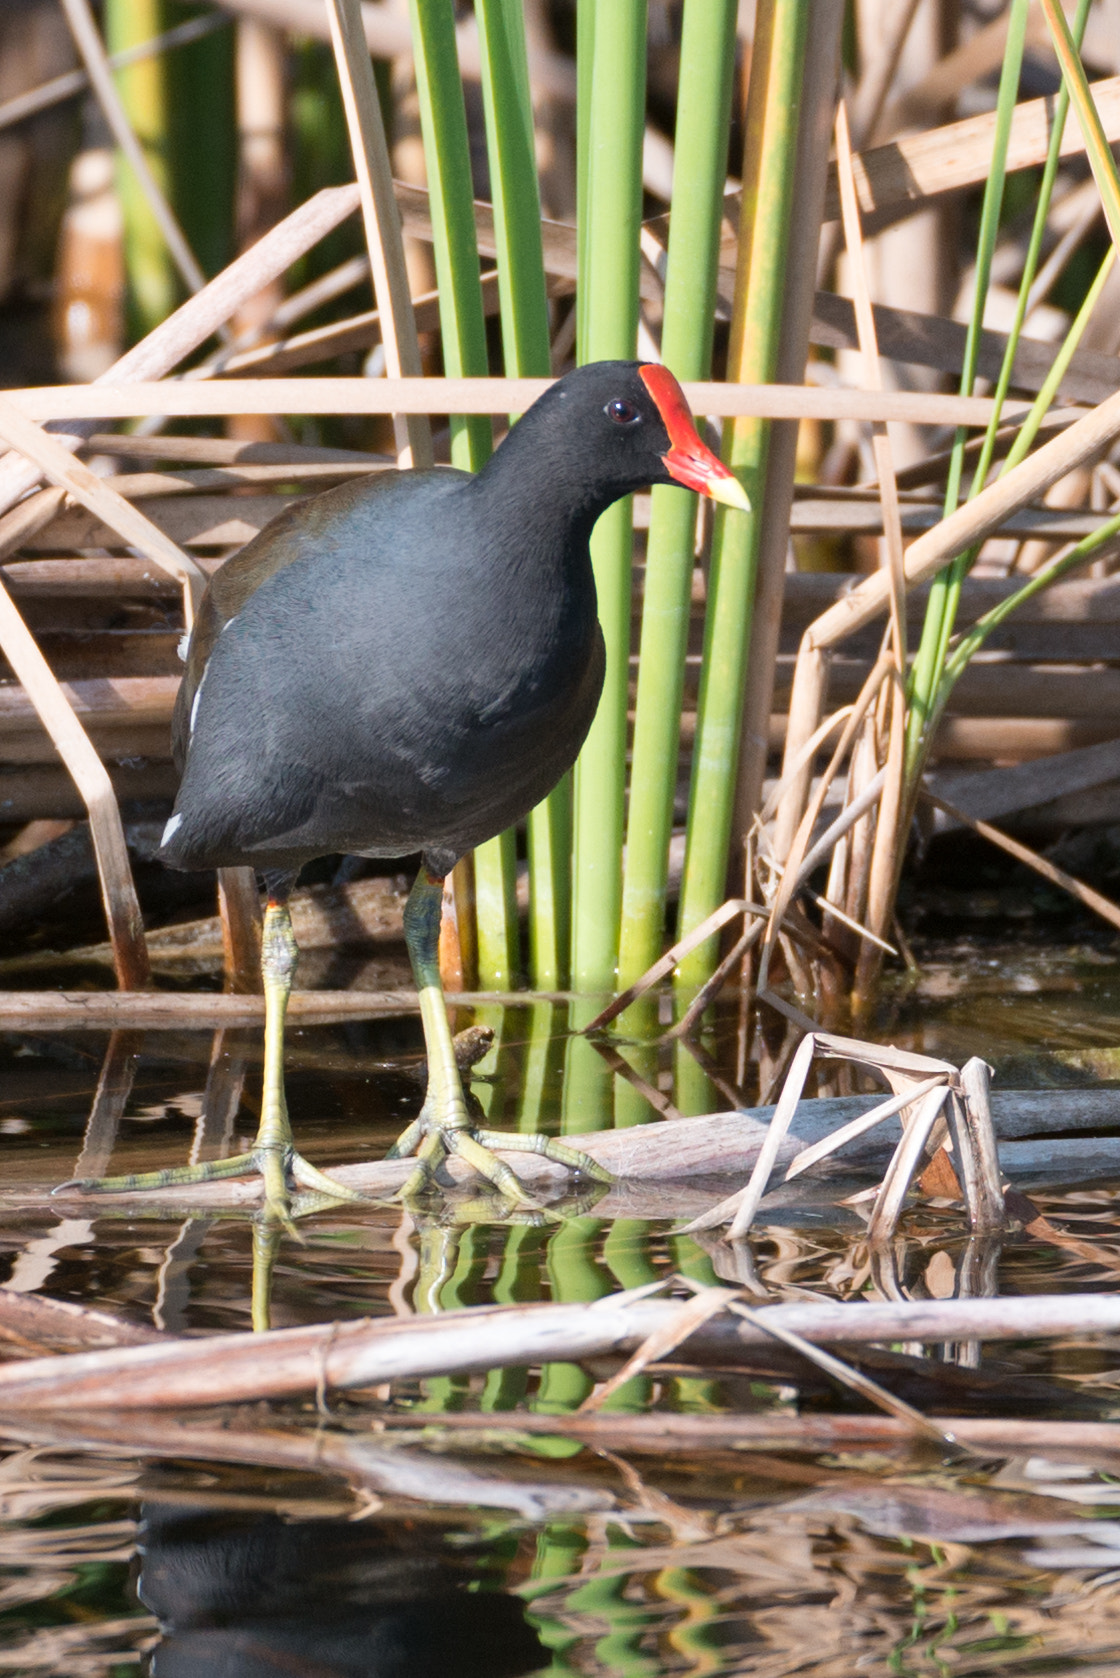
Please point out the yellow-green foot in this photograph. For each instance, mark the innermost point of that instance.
(432, 1144)
(282, 1170)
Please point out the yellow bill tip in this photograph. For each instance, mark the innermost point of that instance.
(730, 492)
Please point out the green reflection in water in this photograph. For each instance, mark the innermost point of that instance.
(693, 1090)
(694, 1634)
(560, 1549)
(628, 1621)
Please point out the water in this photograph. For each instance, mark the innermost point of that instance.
(427, 1550)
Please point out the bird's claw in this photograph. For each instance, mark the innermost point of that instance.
(432, 1143)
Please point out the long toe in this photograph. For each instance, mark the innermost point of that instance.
(496, 1172)
(279, 1171)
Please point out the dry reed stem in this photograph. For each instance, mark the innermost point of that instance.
(880, 60)
(907, 174)
(382, 222)
(977, 1157)
(690, 1314)
(904, 1167)
(911, 171)
(28, 517)
(975, 520)
(873, 379)
(200, 316)
(867, 1121)
(888, 844)
(57, 463)
(737, 955)
(118, 893)
(239, 911)
(970, 524)
(661, 968)
(934, 341)
(792, 855)
(936, 1080)
(740, 1208)
(174, 398)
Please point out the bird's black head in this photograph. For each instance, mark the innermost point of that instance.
(611, 427)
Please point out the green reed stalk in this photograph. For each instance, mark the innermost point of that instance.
(443, 123)
(447, 158)
(611, 124)
(769, 183)
(523, 298)
(153, 285)
(699, 174)
(945, 591)
(203, 134)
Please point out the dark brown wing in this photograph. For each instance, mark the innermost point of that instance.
(292, 535)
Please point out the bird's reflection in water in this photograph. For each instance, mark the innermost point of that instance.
(263, 1598)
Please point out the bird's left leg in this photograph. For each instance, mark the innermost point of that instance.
(445, 1126)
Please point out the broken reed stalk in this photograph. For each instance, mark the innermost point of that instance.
(926, 1085)
(284, 1363)
(118, 893)
(868, 882)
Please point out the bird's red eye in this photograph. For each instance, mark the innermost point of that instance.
(621, 412)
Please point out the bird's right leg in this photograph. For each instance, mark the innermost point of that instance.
(273, 1155)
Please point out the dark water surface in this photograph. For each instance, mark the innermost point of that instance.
(435, 1553)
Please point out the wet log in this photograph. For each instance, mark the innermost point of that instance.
(679, 1167)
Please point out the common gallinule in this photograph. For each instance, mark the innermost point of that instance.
(407, 663)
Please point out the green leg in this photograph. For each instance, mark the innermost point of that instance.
(445, 1125)
(273, 1156)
